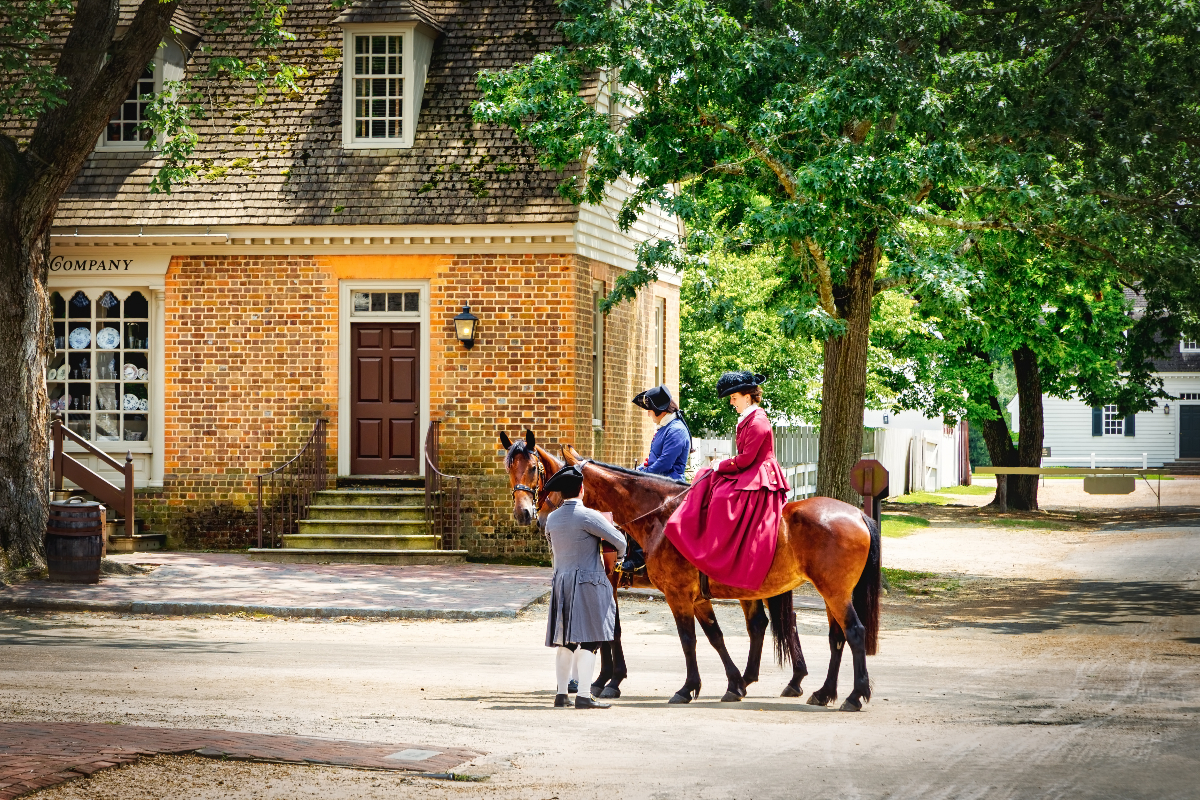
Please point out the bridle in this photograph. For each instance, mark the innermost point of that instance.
(541, 483)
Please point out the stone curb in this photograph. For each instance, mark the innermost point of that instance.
(186, 609)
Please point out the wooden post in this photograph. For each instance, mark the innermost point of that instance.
(130, 528)
(58, 455)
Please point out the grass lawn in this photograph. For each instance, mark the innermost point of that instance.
(910, 582)
(968, 490)
(1026, 524)
(897, 525)
(919, 497)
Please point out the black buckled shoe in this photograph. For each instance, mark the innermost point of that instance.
(562, 701)
(634, 562)
(573, 687)
(583, 701)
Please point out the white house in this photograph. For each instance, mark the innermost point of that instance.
(1075, 432)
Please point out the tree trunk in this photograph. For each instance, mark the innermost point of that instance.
(25, 327)
(1022, 492)
(844, 385)
(1000, 450)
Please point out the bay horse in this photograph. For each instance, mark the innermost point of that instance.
(824, 541)
(529, 466)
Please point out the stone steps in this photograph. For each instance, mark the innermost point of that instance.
(365, 520)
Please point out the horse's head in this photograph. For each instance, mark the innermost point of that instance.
(528, 468)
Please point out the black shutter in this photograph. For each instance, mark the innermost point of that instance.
(1129, 426)
(1098, 421)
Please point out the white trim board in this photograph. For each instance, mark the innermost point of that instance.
(345, 290)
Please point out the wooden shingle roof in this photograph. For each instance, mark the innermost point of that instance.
(283, 163)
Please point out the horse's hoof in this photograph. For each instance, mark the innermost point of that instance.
(732, 697)
(609, 692)
(597, 689)
(816, 700)
(851, 706)
(678, 699)
(790, 691)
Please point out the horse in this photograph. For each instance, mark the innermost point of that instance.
(824, 541)
(528, 466)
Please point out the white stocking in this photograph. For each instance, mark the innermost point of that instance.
(563, 661)
(585, 663)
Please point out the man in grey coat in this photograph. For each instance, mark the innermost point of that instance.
(582, 608)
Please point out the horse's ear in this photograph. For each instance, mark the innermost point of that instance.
(504, 440)
(569, 455)
(530, 439)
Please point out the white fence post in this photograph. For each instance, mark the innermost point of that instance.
(1093, 460)
(1145, 460)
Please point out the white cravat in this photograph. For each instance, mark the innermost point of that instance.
(749, 410)
(666, 418)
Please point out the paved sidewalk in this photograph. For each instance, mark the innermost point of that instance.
(36, 755)
(227, 583)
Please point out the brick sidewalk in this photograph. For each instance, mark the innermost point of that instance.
(228, 583)
(36, 755)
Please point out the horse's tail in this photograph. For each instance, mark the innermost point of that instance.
(869, 587)
(783, 623)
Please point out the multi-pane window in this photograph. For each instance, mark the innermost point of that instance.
(125, 126)
(659, 345)
(1114, 423)
(367, 303)
(99, 375)
(1189, 346)
(597, 354)
(378, 87)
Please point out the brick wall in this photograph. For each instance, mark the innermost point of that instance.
(252, 360)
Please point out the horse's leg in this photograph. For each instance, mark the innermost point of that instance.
(856, 637)
(799, 668)
(756, 625)
(685, 623)
(828, 693)
(619, 672)
(708, 622)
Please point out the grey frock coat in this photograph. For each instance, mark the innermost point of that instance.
(582, 608)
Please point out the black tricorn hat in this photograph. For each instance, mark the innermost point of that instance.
(657, 399)
(568, 480)
(742, 381)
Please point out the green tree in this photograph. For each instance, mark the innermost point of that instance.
(835, 133)
(67, 70)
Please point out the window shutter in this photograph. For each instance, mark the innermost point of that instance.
(1129, 429)
(1098, 421)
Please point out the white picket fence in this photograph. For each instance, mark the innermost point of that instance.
(795, 448)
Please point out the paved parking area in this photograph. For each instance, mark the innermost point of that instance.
(35, 755)
(227, 583)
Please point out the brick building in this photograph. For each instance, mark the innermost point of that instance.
(243, 304)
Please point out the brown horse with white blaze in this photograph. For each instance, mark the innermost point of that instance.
(821, 540)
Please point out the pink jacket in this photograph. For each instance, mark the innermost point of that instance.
(755, 467)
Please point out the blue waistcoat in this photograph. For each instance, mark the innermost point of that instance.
(669, 450)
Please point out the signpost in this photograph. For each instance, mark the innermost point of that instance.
(870, 479)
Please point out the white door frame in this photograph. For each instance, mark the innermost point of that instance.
(346, 288)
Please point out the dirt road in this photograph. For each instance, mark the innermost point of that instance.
(1073, 675)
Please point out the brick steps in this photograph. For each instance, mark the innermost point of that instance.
(296, 555)
(368, 512)
(362, 541)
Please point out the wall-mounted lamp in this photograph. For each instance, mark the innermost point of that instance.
(1167, 409)
(464, 327)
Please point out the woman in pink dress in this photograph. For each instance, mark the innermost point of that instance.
(729, 522)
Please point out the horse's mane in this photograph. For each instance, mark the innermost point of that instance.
(519, 448)
(652, 477)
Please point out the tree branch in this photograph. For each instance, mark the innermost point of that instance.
(962, 225)
(1075, 40)
(824, 276)
(785, 176)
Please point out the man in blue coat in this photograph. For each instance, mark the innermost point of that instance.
(669, 451)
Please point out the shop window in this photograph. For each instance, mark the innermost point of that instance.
(98, 378)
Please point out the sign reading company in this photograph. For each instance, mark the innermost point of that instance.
(71, 264)
(73, 267)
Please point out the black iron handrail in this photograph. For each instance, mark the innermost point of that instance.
(443, 493)
(289, 488)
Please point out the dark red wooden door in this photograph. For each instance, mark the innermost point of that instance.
(385, 431)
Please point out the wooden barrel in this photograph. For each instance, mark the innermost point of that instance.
(75, 541)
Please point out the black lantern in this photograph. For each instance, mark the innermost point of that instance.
(464, 327)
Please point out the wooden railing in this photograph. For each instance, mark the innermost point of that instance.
(285, 493)
(443, 493)
(67, 468)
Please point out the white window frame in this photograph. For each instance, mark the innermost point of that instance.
(417, 48)
(139, 145)
(1189, 346)
(346, 291)
(1113, 422)
(598, 345)
(660, 340)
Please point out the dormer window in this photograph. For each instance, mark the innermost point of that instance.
(384, 81)
(1189, 346)
(126, 129)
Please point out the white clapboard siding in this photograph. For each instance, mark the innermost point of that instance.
(1068, 431)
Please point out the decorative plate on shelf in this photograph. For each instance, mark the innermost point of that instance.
(108, 339)
(143, 405)
(131, 372)
(142, 374)
(63, 371)
(130, 402)
(80, 339)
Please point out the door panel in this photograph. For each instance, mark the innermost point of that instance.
(385, 382)
(1189, 431)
